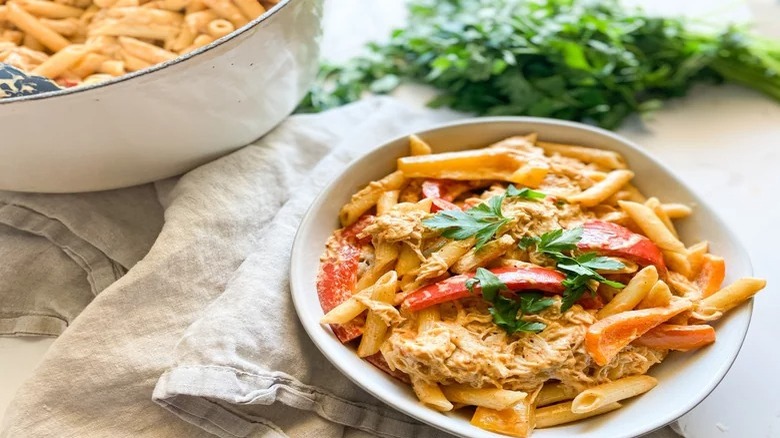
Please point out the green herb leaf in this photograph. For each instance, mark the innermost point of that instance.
(533, 302)
(580, 270)
(507, 313)
(525, 192)
(482, 221)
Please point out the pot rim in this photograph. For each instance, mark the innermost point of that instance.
(156, 67)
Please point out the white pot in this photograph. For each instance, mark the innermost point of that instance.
(167, 119)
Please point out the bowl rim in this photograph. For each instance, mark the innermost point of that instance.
(427, 416)
(156, 67)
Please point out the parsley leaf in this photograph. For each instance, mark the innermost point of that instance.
(581, 270)
(507, 313)
(525, 192)
(482, 221)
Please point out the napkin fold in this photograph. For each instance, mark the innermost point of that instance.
(202, 329)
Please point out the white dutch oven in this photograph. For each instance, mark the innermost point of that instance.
(167, 119)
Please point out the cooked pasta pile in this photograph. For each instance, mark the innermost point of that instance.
(528, 281)
(83, 41)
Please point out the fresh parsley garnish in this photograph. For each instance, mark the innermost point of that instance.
(525, 192)
(507, 313)
(482, 221)
(580, 269)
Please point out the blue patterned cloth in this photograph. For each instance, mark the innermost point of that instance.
(15, 83)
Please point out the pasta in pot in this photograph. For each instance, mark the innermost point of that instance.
(85, 41)
(527, 279)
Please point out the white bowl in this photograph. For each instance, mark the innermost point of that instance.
(685, 379)
(168, 118)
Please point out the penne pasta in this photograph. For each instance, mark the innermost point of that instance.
(250, 8)
(227, 10)
(715, 305)
(652, 226)
(365, 199)
(554, 393)
(632, 294)
(418, 146)
(30, 25)
(606, 159)
(61, 61)
(386, 201)
(659, 296)
(491, 251)
(598, 397)
(602, 189)
(385, 256)
(376, 328)
(492, 398)
(219, 28)
(561, 413)
(427, 318)
(440, 261)
(351, 308)
(431, 395)
(516, 421)
(480, 164)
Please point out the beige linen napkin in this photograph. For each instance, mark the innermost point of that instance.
(203, 329)
(58, 251)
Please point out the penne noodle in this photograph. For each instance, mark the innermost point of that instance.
(145, 51)
(679, 262)
(351, 308)
(375, 329)
(602, 189)
(516, 420)
(219, 28)
(408, 261)
(659, 296)
(66, 27)
(250, 8)
(427, 318)
(88, 65)
(715, 305)
(386, 201)
(492, 398)
(31, 43)
(498, 164)
(598, 397)
(554, 393)
(652, 226)
(227, 10)
(367, 197)
(112, 67)
(385, 256)
(677, 211)
(61, 61)
(606, 159)
(30, 25)
(632, 294)
(418, 147)
(492, 250)
(655, 205)
(561, 414)
(133, 63)
(431, 395)
(696, 255)
(49, 9)
(440, 261)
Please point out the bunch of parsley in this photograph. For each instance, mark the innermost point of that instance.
(588, 60)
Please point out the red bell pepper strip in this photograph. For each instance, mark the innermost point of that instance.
(614, 240)
(442, 192)
(454, 288)
(338, 273)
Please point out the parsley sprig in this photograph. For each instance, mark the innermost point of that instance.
(580, 269)
(482, 221)
(508, 313)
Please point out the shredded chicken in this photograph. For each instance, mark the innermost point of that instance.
(467, 347)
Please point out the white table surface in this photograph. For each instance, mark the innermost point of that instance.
(723, 141)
